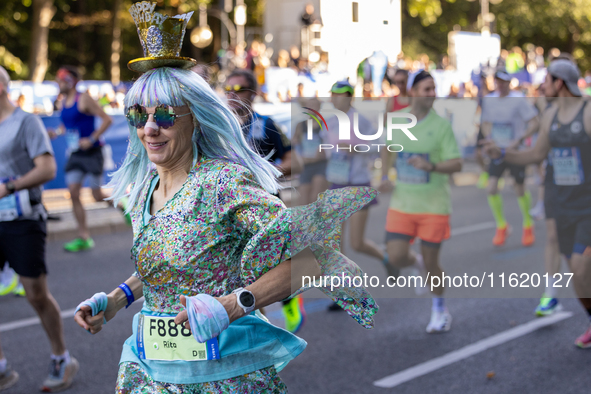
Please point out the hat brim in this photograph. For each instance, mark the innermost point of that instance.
(573, 88)
(504, 78)
(144, 64)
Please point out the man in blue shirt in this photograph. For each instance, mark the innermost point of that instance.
(265, 137)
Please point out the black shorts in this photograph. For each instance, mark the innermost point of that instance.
(574, 233)
(311, 170)
(550, 200)
(497, 170)
(22, 244)
(89, 161)
(479, 137)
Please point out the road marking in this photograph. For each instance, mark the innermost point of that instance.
(473, 228)
(31, 321)
(310, 307)
(470, 350)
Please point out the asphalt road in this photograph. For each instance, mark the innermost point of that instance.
(341, 356)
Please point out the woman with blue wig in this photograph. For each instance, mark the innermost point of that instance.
(211, 244)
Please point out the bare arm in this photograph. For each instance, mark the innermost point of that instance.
(116, 301)
(533, 127)
(530, 156)
(388, 160)
(444, 167)
(91, 107)
(535, 155)
(273, 286)
(448, 166)
(43, 171)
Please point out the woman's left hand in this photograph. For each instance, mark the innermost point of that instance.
(204, 315)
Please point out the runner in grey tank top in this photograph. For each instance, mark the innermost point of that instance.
(565, 134)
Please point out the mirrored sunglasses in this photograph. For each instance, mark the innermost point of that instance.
(164, 116)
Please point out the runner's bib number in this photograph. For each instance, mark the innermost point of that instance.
(72, 139)
(339, 169)
(160, 338)
(406, 173)
(568, 170)
(15, 205)
(310, 147)
(503, 134)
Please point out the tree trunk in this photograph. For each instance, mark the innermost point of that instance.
(116, 45)
(43, 12)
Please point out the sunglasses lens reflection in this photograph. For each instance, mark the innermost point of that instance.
(234, 88)
(164, 117)
(136, 117)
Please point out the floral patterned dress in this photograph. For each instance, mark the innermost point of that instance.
(222, 231)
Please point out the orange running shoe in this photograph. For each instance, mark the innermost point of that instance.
(501, 235)
(528, 237)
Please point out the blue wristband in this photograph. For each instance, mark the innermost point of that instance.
(128, 294)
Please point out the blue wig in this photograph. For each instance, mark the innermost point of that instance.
(217, 133)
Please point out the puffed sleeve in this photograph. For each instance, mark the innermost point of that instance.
(274, 233)
(259, 218)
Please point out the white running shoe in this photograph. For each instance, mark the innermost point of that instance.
(440, 322)
(8, 378)
(419, 270)
(538, 212)
(61, 375)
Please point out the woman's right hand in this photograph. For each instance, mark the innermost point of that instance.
(84, 318)
(94, 324)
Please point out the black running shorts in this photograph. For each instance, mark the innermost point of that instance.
(574, 232)
(517, 172)
(22, 244)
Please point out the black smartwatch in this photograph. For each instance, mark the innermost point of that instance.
(245, 299)
(10, 187)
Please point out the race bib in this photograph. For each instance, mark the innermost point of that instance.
(339, 169)
(503, 134)
(568, 170)
(309, 148)
(72, 139)
(160, 338)
(406, 173)
(15, 205)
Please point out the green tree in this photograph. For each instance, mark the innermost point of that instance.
(564, 24)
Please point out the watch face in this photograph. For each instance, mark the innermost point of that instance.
(246, 299)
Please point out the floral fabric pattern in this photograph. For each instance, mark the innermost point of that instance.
(134, 380)
(222, 231)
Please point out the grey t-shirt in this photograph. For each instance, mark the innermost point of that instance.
(23, 137)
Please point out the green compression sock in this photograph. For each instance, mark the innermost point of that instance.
(524, 205)
(495, 202)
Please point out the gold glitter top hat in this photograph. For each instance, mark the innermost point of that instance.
(161, 37)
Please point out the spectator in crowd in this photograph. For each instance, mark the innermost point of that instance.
(308, 16)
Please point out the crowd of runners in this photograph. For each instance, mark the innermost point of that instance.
(234, 156)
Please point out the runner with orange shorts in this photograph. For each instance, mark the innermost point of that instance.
(421, 203)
